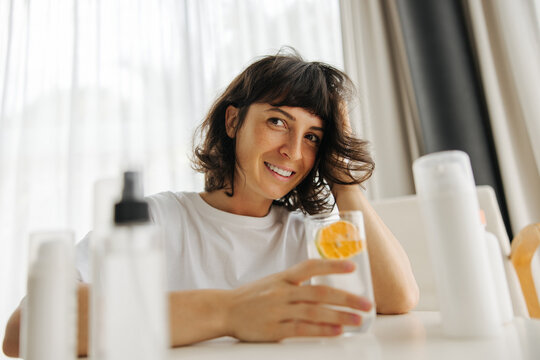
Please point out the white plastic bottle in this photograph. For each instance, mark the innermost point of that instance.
(132, 308)
(449, 207)
(107, 192)
(49, 315)
(496, 263)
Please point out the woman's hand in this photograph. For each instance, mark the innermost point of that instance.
(278, 306)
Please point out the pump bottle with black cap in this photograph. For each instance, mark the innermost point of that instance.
(131, 319)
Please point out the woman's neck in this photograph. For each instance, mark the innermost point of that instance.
(237, 204)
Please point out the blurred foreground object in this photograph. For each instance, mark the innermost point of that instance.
(49, 311)
(457, 248)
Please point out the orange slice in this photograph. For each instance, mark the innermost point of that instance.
(339, 240)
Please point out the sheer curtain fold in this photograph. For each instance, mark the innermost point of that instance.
(386, 114)
(89, 88)
(506, 37)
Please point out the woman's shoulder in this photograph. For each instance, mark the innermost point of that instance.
(168, 203)
(168, 196)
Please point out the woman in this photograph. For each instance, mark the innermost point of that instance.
(277, 143)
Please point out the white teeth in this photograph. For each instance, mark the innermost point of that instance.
(279, 171)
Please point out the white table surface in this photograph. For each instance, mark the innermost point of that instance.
(416, 335)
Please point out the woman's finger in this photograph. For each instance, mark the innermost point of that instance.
(330, 296)
(315, 313)
(303, 328)
(314, 267)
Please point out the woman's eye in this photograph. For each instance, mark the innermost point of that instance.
(277, 122)
(313, 138)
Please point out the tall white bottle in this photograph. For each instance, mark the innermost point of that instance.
(449, 206)
(49, 312)
(131, 308)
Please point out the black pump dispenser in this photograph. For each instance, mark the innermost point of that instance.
(132, 208)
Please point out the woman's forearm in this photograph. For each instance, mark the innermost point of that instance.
(394, 285)
(11, 337)
(196, 315)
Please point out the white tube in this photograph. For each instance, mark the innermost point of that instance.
(50, 309)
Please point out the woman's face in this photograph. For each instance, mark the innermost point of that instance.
(276, 148)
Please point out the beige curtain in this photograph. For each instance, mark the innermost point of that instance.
(507, 44)
(507, 41)
(386, 115)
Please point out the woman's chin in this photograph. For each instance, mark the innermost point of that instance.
(280, 195)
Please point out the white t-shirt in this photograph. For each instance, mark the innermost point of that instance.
(213, 249)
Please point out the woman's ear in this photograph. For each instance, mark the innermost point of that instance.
(231, 120)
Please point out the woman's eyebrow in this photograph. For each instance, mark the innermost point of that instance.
(290, 117)
(283, 112)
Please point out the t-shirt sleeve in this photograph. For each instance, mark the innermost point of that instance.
(162, 208)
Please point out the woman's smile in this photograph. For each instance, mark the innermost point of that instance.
(279, 172)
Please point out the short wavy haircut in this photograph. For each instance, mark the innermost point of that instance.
(286, 79)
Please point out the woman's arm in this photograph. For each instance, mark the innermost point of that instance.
(11, 337)
(271, 309)
(394, 285)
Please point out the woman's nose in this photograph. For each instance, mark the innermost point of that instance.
(292, 149)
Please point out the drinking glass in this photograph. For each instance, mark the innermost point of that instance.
(342, 236)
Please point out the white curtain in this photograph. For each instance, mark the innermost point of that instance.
(89, 88)
(507, 41)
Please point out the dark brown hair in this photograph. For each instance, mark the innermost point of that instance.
(288, 80)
